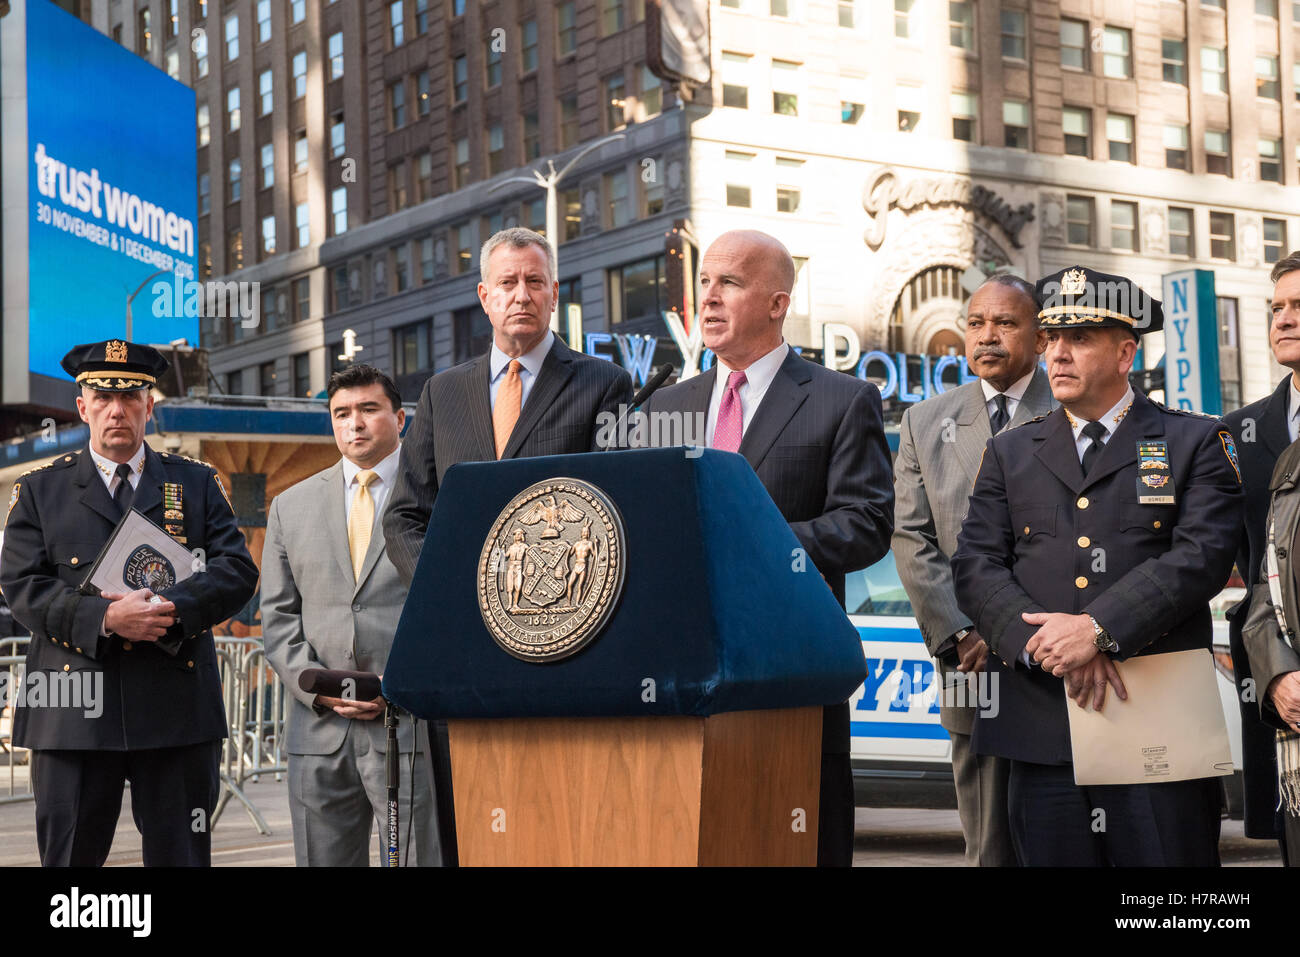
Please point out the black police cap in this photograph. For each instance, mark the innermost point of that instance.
(115, 365)
(1082, 298)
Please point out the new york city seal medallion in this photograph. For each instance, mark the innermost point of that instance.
(551, 571)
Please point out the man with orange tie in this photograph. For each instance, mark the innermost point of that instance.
(529, 395)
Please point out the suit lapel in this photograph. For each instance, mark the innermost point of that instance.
(1037, 399)
(973, 430)
(556, 371)
(335, 518)
(148, 494)
(1121, 449)
(1273, 431)
(1057, 451)
(783, 397)
(94, 494)
(478, 401)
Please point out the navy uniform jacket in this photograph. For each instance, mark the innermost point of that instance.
(60, 517)
(1030, 544)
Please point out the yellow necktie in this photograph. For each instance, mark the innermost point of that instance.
(360, 519)
(506, 411)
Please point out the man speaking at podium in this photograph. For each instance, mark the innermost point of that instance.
(815, 439)
(529, 395)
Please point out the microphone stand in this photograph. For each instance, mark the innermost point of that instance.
(393, 777)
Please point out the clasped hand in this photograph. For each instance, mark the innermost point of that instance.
(1066, 646)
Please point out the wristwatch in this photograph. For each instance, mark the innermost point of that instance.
(959, 636)
(1104, 641)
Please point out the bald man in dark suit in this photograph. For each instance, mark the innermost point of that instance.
(815, 439)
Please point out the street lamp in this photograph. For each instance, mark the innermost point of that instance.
(160, 272)
(549, 183)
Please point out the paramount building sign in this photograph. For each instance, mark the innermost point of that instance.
(882, 192)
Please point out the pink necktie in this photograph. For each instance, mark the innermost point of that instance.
(731, 419)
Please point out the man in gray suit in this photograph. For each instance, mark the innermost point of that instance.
(331, 598)
(940, 443)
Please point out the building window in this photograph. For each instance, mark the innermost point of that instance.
(337, 136)
(1217, 155)
(423, 177)
(738, 196)
(471, 333)
(1270, 160)
(1013, 34)
(905, 19)
(571, 206)
(784, 74)
(1078, 220)
(850, 113)
(652, 191)
(1181, 238)
(266, 378)
(1123, 226)
(397, 186)
(493, 64)
(1266, 8)
(336, 55)
(1173, 57)
(566, 29)
(300, 152)
(1223, 233)
(963, 116)
(232, 37)
(961, 24)
(1119, 133)
(534, 216)
(235, 252)
(611, 17)
(397, 104)
(532, 137)
(779, 8)
(1214, 69)
(234, 380)
(458, 8)
(1176, 139)
(459, 79)
(302, 226)
(426, 260)
(637, 291)
(265, 96)
(617, 212)
(652, 94)
(1267, 85)
(235, 174)
(1074, 44)
(173, 61)
(302, 375)
(297, 11)
(268, 235)
(423, 102)
(401, 258)
(144, 34)
(413, 347)
(615, 102)
(1077, 125)
(204, 125)
(205, 194)
(1274, 239)
(232, 109)
(496, 148)
(299, 74)
(528, 46)
(787, 199)
(263, 20)
(846, 17)
(396, 25)
(464, 248)
(461, 169)
(339, 210)
(342, 295)
(200, 48)
(173, 17)
(568, 121)
(422, 17)
(735, 76)
(268, 165)
(1117, 47)
(1015, 124)
(1295, 75)
(205, 260)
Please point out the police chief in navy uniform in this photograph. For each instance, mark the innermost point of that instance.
(146, 715)
(1073, 557)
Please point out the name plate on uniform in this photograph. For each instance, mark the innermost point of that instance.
(137, 555)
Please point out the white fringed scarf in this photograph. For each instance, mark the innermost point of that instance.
(1287, 743)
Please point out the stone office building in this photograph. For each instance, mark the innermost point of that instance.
(353, 154)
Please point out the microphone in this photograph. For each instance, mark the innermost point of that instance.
(649, 388)
(352, 685)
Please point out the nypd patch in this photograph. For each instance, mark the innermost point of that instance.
(13, 496)
(1230, 450)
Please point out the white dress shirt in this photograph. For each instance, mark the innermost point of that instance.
(1110, 420)
(380, 485)
(758, 377)
(1293, 411)
(1014, 393)
(107, 469)
(531, 362)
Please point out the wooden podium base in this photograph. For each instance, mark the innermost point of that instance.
(737, 788)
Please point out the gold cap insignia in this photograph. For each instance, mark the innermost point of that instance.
(1073, 282)
(115, 351)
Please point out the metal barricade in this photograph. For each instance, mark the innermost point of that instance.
(18, 786)
(255, 709)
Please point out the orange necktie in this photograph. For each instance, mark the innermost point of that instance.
(506, 411)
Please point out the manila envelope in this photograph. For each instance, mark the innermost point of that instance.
(1171, 728)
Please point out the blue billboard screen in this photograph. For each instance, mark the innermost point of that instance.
(112, 194)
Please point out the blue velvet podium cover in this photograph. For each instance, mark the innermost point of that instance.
(715, 608)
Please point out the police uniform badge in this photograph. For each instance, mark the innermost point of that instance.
(13, 496)
(174, 510)
(1154, 483)
(1230, 450)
